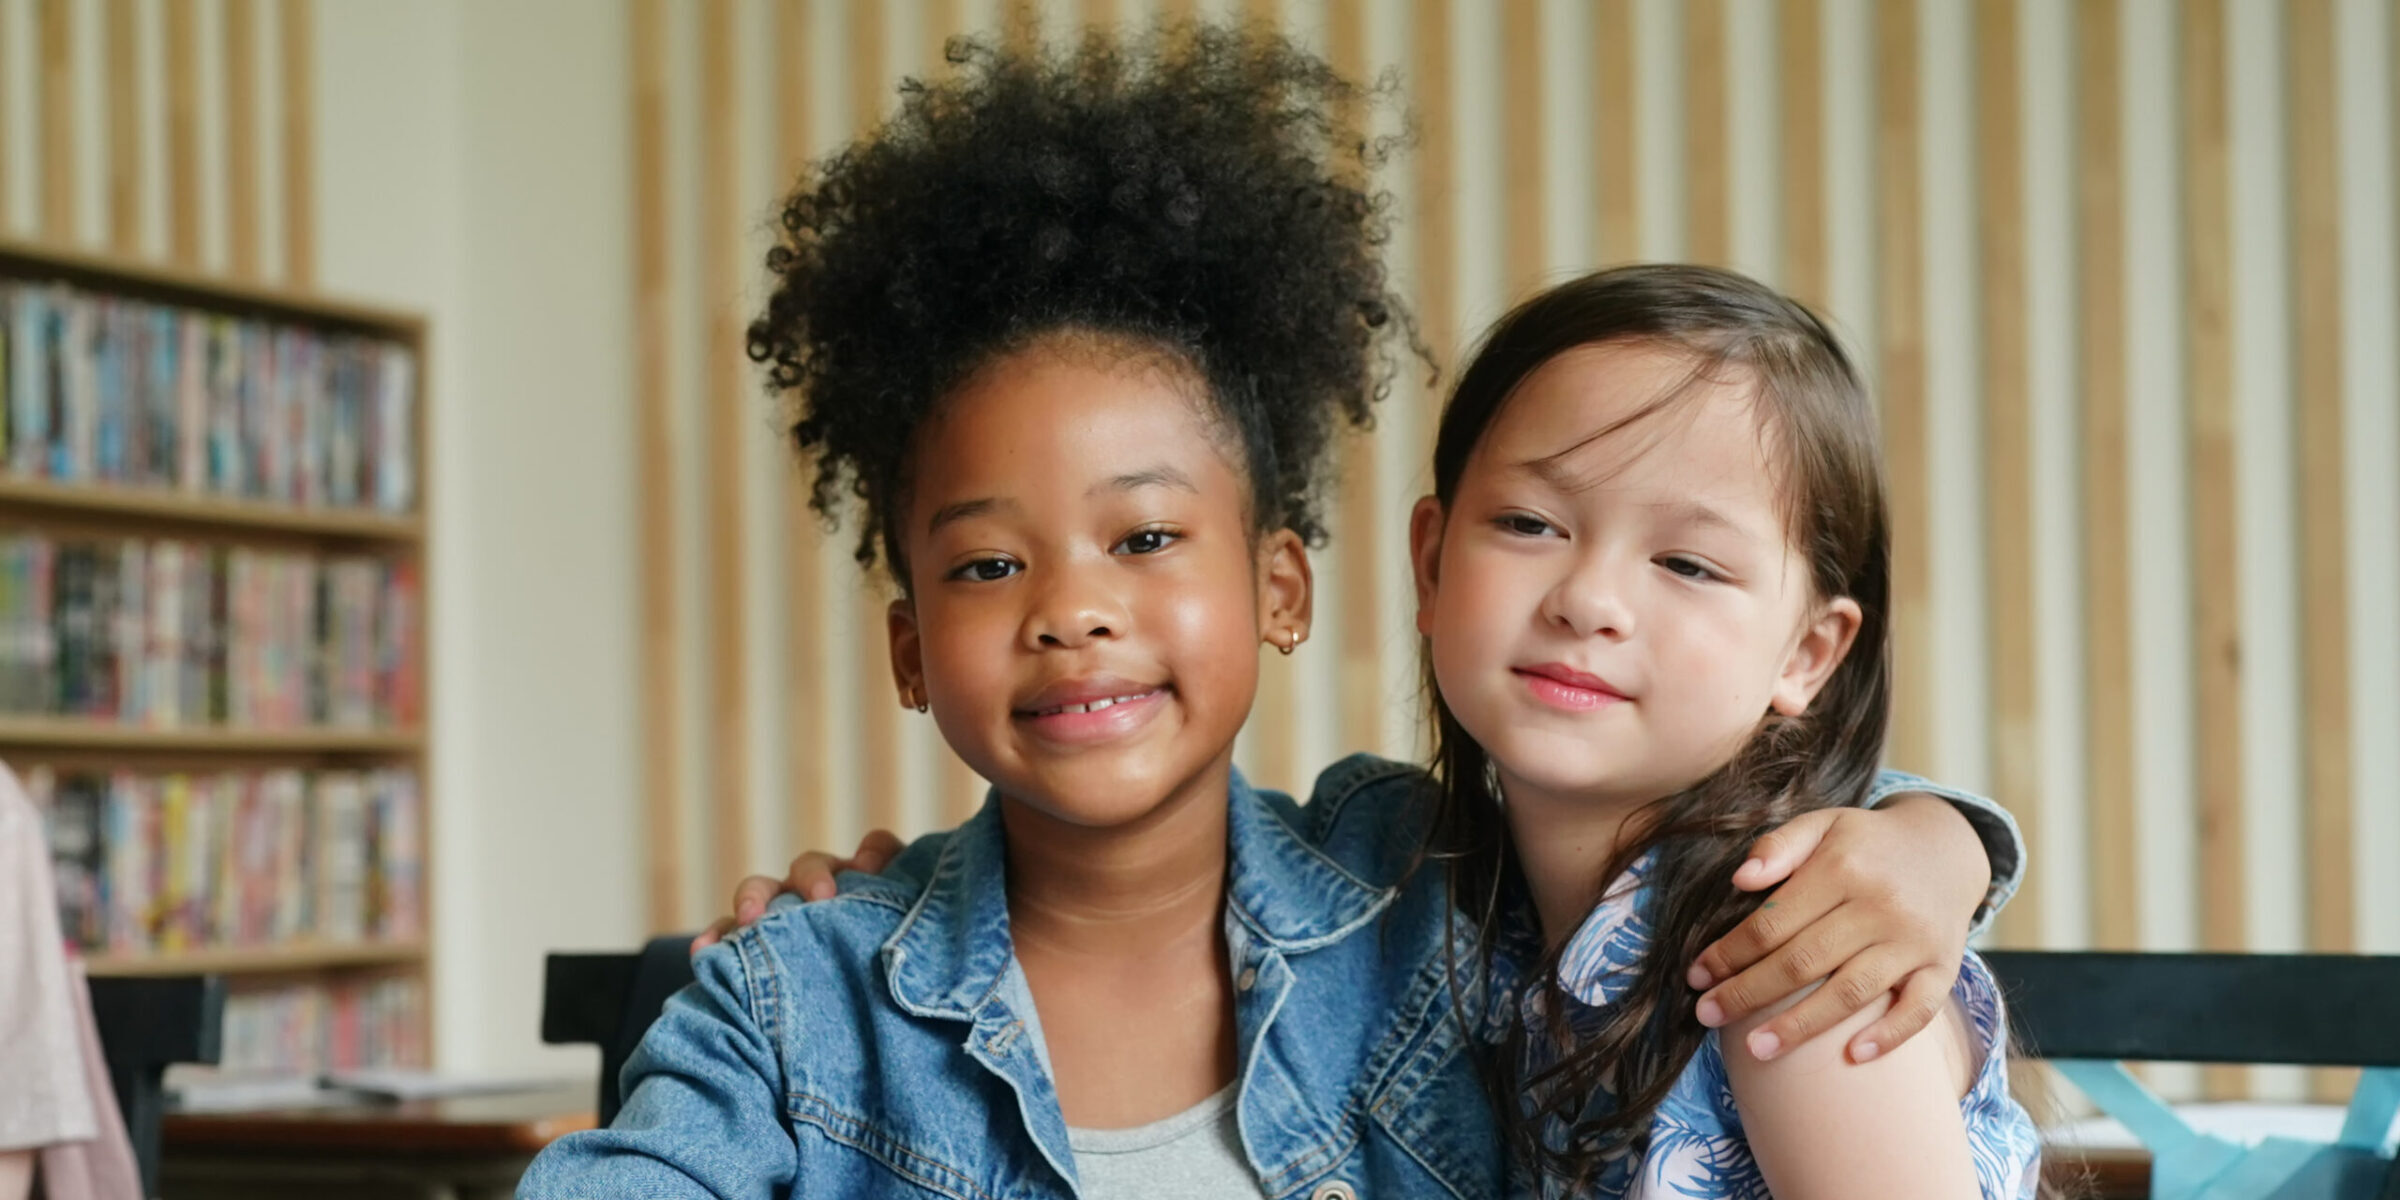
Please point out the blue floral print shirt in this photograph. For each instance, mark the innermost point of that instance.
(1696, 1148)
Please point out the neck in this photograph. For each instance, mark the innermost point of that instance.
(1563, 842)
(1128, 890)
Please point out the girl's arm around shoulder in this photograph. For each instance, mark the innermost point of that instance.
(703, 1115)
(1825, 1128)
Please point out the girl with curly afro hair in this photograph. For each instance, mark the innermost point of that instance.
(1069, 340)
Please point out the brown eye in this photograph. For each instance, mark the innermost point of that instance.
(1145, 541)
(985, 570)
(1524, 525)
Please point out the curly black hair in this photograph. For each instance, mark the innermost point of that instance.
(1194, 192)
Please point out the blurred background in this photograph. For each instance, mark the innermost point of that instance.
(2122, 273)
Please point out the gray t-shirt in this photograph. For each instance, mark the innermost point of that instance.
(1194, 1155)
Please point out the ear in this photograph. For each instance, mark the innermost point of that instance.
(1425, 555)
(1286, 589)
(908, 652)
(1819, 650)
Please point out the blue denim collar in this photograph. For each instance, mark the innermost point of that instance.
(952, 950)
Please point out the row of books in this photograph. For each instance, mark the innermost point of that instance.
(172, 633)
(108, 389)
(313, 1028)
(169, 862)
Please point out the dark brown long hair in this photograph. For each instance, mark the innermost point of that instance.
(1596, 1100)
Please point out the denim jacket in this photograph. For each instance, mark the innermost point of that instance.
(875, 1044)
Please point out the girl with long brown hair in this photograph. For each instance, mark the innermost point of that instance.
(1654, 585)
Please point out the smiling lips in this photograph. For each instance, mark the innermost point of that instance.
(1567, 689)
(1092, 709)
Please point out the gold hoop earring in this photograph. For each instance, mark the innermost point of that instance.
(1291, 643)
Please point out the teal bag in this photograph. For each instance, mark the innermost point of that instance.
(2186, 1164)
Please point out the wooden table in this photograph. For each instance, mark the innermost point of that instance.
(461, 1148)
(2099, 1174)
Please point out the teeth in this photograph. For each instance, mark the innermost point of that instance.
(1093, 706)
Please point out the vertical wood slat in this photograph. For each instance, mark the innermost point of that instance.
(1704, 133)
(241, 137)
(1901, 328)
(2008, 436)
(5, 127)
(727, 404)
(299, 56)
(183, 136)
(2317, 357)
(962, 790)
(1524, 177)
(1619, 235)
(124, 130)
(2216, 575)
(879, 715)
(56, 22)
(2107, 611)
(1802, 34)
(1020, 23)
(1436, 241)
(1277, 751)
(810, 803)
(661, 692)
(1361, 700)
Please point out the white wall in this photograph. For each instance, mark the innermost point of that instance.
(472, 164)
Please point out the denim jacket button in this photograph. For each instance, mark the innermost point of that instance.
(1333, 1189)
(1248, 979)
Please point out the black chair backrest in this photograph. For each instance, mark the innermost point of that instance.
(609, 1000)
(146, 1025)
(2329, 1010)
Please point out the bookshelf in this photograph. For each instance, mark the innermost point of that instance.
(213, 637)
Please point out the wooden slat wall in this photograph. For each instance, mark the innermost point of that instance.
(879, 704)
(661, 623)
(1618, 237)
(728, 404)
(241, 135)
(1900, 329)
(1801, 28)
(124, 126)
(1710, 236)
(809, 808)
(183, 136)
(55, 20)
(298, 49)
(1360, 627)
(2108, 619)
(2317, 264)
(2216, 590)
(2008, 440)
(1525, 176)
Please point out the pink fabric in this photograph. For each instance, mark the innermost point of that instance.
(54, 1091)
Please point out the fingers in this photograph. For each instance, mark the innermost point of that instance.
(1859, 983)
(810, 877)
(1783, 915)
(1806, 957)
(750, 898)
(710, 936)
(1921, 1000)
(1774, 857)
(875, 852)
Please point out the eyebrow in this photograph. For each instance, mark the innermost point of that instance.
(1159, 476)
(1692, 512)
(951, 514)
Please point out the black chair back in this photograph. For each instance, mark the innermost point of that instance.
(2330, 1010)
(146, 1025)
(609, 1000)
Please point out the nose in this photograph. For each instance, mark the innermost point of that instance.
(1073, 607)
(1590, 600)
